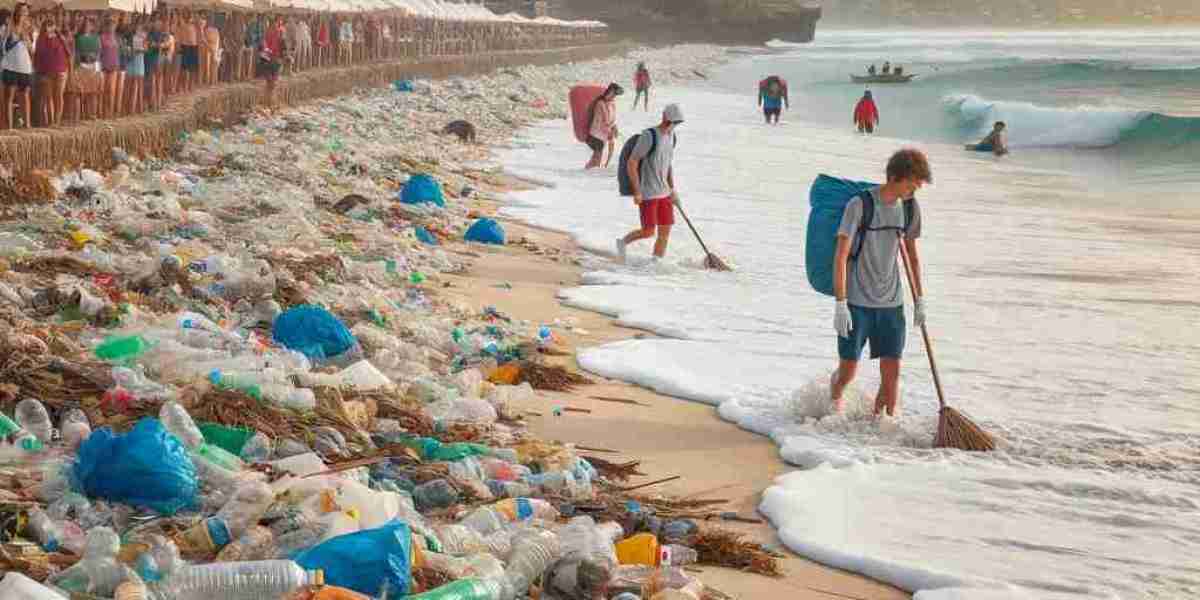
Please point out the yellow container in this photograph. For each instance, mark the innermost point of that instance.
(640, 549)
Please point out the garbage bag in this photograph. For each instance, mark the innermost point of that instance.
(421, 189)
(145, 467)
(230, 439)
(486, 231)
(402, 85)
(364, 560)
(313, 332)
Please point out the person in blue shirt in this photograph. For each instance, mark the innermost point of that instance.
(773, 97)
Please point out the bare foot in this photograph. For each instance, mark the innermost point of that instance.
(839, 403)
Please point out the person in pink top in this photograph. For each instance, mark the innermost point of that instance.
(50, 60)
(603, 129)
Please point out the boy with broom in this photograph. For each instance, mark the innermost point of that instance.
(867, 285)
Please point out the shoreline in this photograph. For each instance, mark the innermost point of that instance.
(638, 431)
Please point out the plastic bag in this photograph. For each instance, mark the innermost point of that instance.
(145, 467)
(314, 332)
(486, 231)
(365, 560)
(422, 189)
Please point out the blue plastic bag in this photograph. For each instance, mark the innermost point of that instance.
(486, 231)
(424, 236)
(422, 189)
(362, 561)
(402, 85)
(145, 467)
(313, 332)
(827, 199)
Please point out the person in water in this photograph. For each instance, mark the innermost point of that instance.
(868, 288)
(871, 70)
(996, 142)
(654, 192)
(641, 83)
(773, 97)
(899, 70)
(602, 124)
(887, 67)
(866, 114)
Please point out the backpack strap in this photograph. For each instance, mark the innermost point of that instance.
(868, 215)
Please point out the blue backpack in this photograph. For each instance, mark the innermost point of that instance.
(828, 199)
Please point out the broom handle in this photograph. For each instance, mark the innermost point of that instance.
(937, 381)
(689, 223)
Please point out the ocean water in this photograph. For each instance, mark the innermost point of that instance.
(1062, 296)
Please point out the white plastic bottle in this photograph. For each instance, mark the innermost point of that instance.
(252, 580)
(16, 586)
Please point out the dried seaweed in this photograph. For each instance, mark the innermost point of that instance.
(724, 548)
(554, 378)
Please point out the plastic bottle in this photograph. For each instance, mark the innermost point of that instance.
(136, 383)
(16, 586)
(459, 540)
(252, 580)
(44, 530)
(257, 543)
(463, 589)
(287, 396)
(131, 590)
(532, 553)
(488, 519)
(248, 503)
(75, 428)
(679, 555)
(25, 441)
(328, 592)
(32, 417)
(232, 382)
(176, 420)
(122, 349)
(98, 573)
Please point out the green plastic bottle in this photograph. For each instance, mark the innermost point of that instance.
(463, 589)
(20, 438)
(122, 348)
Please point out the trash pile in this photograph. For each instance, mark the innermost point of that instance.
(230, 374)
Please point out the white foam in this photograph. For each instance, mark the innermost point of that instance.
(1093, 491)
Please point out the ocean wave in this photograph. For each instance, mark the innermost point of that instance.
(1033, 125)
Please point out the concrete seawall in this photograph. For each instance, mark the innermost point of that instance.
(90, 144)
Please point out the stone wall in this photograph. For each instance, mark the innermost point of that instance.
(90, 144)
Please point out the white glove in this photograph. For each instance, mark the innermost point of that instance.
(675, 199)
(919, 313)
(842, 323)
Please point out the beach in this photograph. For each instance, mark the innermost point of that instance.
(669, 436)
(1061, 303)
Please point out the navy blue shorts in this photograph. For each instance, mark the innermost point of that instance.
(884, 328)
(772, 112)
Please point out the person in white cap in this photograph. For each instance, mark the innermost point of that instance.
(653, 182)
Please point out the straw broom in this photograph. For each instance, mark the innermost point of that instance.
(955, 429)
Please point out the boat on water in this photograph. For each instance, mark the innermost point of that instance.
(882, 78)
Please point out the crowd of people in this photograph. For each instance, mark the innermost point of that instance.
(68, 66)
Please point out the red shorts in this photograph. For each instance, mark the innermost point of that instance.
(657, 211)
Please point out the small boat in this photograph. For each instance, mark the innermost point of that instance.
(882, 78)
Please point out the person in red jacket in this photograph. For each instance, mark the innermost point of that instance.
(866, 115)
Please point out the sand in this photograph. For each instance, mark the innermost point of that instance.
(670, 436)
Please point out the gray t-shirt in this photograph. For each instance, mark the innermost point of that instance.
(873, 281)
(653, 183)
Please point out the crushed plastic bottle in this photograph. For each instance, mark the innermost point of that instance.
(74, 428)
(533, 552)
(32, 417)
